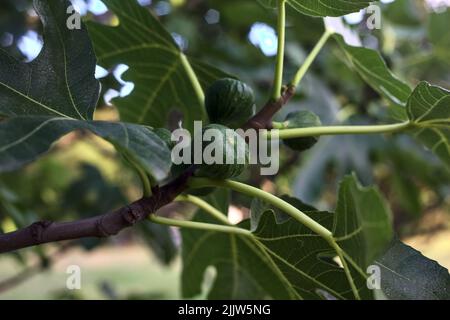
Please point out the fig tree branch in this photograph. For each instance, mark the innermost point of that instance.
(263, 119)
(105, 225)
(281, 96)
(112, 223)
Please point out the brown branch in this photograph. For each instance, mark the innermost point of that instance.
(112, 223)
(263, 119)
(106, 225)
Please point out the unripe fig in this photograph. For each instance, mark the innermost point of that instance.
(301, 119)
(231, 144)
(165, 136)
(230, 102)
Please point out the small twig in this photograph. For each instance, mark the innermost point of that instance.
(263, 119)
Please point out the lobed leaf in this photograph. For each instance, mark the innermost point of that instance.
(362, 225)
(60, 81)
(286, 260)
(429, 111)
(284, 263)
(24, 139)
(372, 68)
(57, 93)
(157, 67)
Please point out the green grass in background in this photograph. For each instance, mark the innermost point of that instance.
(129, 272)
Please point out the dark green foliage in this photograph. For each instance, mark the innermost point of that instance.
(408, 275)
(158, 68)
(286, 260)
(56, 94)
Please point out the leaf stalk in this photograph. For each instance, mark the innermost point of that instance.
(310, 59)
(281, 29)
(339, 130)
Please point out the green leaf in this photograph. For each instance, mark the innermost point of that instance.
(240, 266)
(373, 69)
(285, 260)
(23, 139)
(57, 93)
(323, 8)
(408, 275)
(60, 81)
(157, 67)
(429, 111)
(284, 263)
(362, 226)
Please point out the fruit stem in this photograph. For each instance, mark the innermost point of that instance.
(267, 197)
(281, 29)
(278, 125)
(194, 81)
(341, 130)
(146, 185)
(200, 226)
(202, 204)
(145, 180)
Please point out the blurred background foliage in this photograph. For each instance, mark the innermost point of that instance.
(83, 176)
